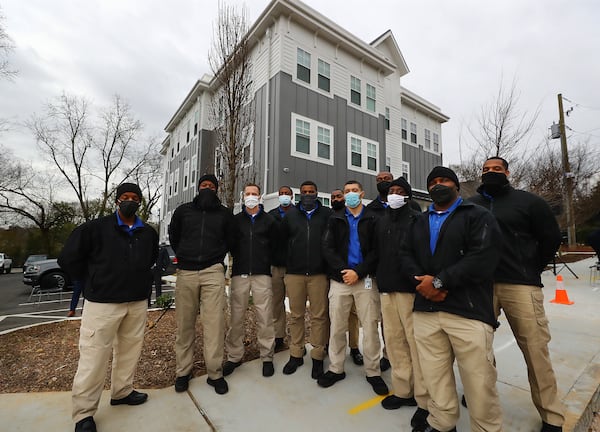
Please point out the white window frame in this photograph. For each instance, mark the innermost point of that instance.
(404, 128)
(353, 82)
(171, 184)
(249, 134)
(427, 139)
(324, 72)
(176, 182)
(364, 146)
(371, 98)
(313, 140)
(387, 122)
(413, 130)
(186, 175)
(301, 59)
(405, 169)
(388, 163)
(436, 142)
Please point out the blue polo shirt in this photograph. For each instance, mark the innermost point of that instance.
(129, 230)
(354, 253)
(436, 220)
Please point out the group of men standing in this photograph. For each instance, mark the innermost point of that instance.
(437, 281)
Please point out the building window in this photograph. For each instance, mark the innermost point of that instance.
(388, 164)
(194, 167)
(196, 118)
(413, 133)
(172, 152)
(355, 151)
(312, 140)
(355, 90)
(387, 119)
(189, 124)
(171, 184)
(406, 171)
(363, 154)
(371, 98)
(427, 139)
(323, 142)
(436, 143)
(247, 150)
(302, 136)
(186, 174)
(371, 157)
(176, 182)
(404, 129)
(324, 75)
(303, 68)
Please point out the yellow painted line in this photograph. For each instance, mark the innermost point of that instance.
(366, 405)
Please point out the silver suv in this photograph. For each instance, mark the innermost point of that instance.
(47, 275)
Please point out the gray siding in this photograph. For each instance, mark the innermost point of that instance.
(421, 164)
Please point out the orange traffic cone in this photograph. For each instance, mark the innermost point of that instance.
(561, 297)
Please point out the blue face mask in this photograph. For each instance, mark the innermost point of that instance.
(352, 199)
(285, 200)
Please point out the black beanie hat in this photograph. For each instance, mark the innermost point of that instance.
(442, 171)
(401, 181)
(211, 178)
(128, 187)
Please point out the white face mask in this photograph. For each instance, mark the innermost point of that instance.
(251, 201)
(396, 201)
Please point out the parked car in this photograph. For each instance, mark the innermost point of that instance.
(172, 268)
(47, 275)
(5, 263)
(33, 258)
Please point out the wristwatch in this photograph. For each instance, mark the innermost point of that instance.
(437, 283)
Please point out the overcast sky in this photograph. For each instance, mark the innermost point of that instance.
(151, 52)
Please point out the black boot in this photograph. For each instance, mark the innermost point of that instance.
(317, 369)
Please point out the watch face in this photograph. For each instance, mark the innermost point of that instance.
(437, 283)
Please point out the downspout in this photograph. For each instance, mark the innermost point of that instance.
(267, 106)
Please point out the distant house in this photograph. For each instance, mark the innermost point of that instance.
(329, 107)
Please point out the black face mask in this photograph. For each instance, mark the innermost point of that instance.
(308, 201)
(207, 198)
(383, 187)
(493, 182)
(442, 195)
(337, 205)
(128, 208)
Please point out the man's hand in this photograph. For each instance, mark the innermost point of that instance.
(350, 277)
(427, 290)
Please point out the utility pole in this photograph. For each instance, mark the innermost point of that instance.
(567, 175)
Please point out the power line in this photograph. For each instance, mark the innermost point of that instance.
(581, 106)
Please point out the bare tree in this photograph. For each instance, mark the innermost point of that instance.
(64, 134)
(29, 194)
(118, 131)
(6, 47)
(232, 110)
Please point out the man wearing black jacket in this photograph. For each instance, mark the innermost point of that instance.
(451, 252)
(252, 273)
(286, 202)
(348, 248)
(114, 255)
(531, 237)
(397, 295)
(201, 233)
(305, 278)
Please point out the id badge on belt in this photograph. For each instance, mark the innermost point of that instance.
(368, 282)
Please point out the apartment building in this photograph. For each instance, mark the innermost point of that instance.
(328, 107)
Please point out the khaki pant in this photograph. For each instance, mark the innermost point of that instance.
(279, 318)
(262, 298)
(353, 327)
(441, 337)
(407, 379)
(106, 327)
(341, 297)
(204, 288)
(523, 307)
(314, 289)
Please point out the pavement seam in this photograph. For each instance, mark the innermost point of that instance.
(202, 412)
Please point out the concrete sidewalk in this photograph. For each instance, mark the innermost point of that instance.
(295, 403)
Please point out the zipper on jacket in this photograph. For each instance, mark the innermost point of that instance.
(251, 246)
(308, 246)
(202, 233)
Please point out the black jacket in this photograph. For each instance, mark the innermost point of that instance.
(376, 207)
(303, 237)
(391, 231)
(465, 259)
(253, 248)
(280, 249)
(116, 266)
(530, 234)
(201, 234)
(336, 241)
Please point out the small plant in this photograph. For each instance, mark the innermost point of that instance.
(164, 301)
